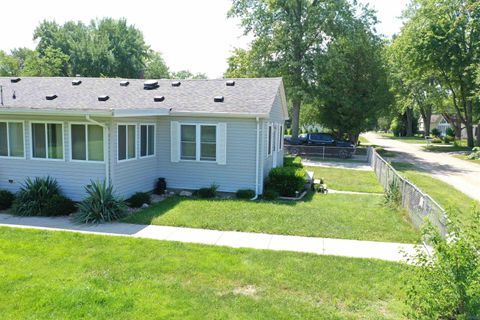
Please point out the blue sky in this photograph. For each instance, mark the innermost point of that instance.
(191, 34)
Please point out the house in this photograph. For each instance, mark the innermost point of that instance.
(131, 132)
(439, 122)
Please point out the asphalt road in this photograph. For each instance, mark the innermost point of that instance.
(461, 174)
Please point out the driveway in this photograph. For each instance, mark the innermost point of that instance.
(460, 174)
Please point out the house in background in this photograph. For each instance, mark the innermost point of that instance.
(439, 122)
(131, 132)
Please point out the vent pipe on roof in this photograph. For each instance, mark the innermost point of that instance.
(14, 96)
(218, 99)
(51, 97)
(76, 82)
(230, 83)
(158, 98)
(15, 80)
(124, 83)
(150, 84)
(103, 98)
(176, 84)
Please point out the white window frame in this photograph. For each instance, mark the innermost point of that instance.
(8, 140)
(126, 141)
(269, 139)
(140, 140)
(86, 124)
(198, 140)
(46, 140)
(280, 137)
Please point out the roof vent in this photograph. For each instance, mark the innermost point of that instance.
(76, 82)
(51, 97)
(150, 84)
(15, 80)
(103, 98)
(176, 84)
(230, 83)
(218, 99)
(124, 83)
(158, 98)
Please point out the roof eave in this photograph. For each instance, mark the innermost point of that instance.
(219, 114)
(54, 112)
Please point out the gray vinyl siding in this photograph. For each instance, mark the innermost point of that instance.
(72, 176)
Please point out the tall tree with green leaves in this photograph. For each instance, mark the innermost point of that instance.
(352, 81)
(445, 37)
(288, 35)
(156, 68)
(52, 63)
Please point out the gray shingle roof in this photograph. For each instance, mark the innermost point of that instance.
(248, 96)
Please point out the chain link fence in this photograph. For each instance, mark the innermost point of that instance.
(419, 205)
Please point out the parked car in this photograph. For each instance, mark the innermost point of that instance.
(330, 145)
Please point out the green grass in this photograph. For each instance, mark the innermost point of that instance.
(348, 179)
(362, 217)
(446, 148)
(465, 157)
(56, 275)
(448, 197)
(363, 140)
(413, 139)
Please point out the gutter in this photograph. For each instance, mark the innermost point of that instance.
(257, 159)
(106, 146)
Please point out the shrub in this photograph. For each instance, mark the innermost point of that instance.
(138, 199)
(448, 139)
(435, 132)
(6, 199)
(437, 140)
(393, 197)
(59, 205)
(101, 205)
(446, 283)
(475, 155)
(292, 162)
(35, 196)
(245, 194)
(207, 193)
(270, 194)
(450, 132)
(287, 180)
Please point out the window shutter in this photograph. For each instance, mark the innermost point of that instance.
(175, 141)
(222, 143)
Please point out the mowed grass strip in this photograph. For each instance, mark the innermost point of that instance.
(56, 275)
(348, 179)
(361, 217)
(447, 196)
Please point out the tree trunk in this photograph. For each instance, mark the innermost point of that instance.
(458, 128)
(426, 117)
(409, 114)
(478, 134)
(295, 118)
(468, 125)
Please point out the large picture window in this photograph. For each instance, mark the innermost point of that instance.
(147, 140)
(198, 142)
(12, 142)
(47, 141)
(127, 146)
(87, 142)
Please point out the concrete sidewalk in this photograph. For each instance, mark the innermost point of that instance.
(322, 246)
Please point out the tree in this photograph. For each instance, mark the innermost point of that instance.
(446, 285)
(353, 82)
(288, 35)
(9, 65)
(51, 64)
(106, 47)
(187, 74)
(446, 36)
(156, 68)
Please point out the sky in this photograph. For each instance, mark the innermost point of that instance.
(191, 34)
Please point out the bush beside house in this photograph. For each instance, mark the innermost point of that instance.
(6, 199)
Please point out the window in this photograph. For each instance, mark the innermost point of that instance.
(198, 142)
(87, 142)
(269, 142)
(147, 140)
(280, 137)
(12, 140)
(47, 141)
(127, 137)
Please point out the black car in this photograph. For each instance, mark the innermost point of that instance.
(329, 145)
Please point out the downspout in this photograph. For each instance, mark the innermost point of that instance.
(257, 159)
(106, 147)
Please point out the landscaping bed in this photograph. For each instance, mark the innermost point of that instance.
(362, 217)
(56, 275)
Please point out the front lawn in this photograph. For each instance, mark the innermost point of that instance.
(348, 179)
(362, 217)
(56, 275)
(414, 139)
(447, 196)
